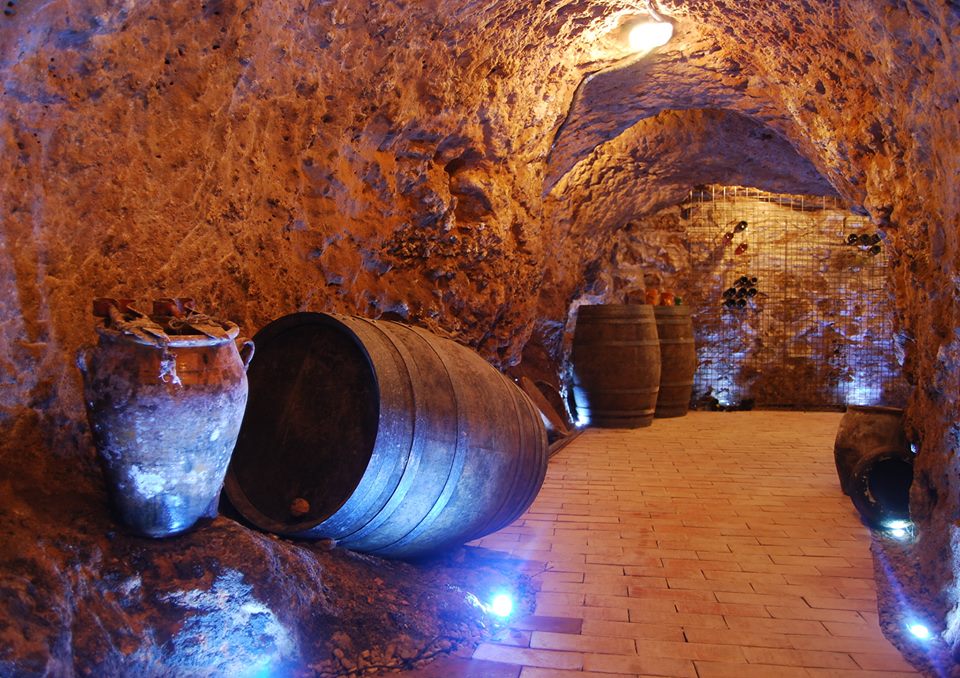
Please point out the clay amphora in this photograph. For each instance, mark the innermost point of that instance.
(165, 418)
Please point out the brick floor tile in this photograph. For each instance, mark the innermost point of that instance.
(811, 658)
(735, 609)
(739, 575)
(657, 666)
(707, 669)
(551, 598)
(815, 614)
(761, 599)
(582, 643)
(853, 630)
(637, 631)
(885, 661)
(669, 594)
(529, 657)
(783, 626)
(842, 644)
(543, 623)
(581, 612)
(709, 585)
(560, 577)
(859, 673)
(531, 672)
(738, 637)
(588, 589)
(510, 636)
(462, 667)
(686, 650)
(645, 615)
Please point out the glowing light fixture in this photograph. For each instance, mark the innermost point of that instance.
(501, 605)
(648, 35)
(898, 529)
(919, 631)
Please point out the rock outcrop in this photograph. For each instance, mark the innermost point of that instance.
(448, 162)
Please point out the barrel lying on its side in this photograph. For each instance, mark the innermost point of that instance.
(616, 365)
(385, 437)
(678, 360)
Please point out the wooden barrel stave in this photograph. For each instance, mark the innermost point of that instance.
(678, 360)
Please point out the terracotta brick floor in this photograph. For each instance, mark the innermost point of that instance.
(713, 545)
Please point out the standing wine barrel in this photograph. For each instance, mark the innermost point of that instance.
(678, 360)
(874, 463)
(616, 365)
(384, 437)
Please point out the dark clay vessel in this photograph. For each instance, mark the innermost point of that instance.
(874, 463)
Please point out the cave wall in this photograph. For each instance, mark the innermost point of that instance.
(272, 157)
(448, 162)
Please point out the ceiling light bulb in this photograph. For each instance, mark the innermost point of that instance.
(649, 34)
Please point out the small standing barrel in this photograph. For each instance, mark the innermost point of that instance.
(874, 463)
(616, 365)
(384, 437)
(678, 360)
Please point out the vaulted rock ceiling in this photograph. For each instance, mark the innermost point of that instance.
(456, 163)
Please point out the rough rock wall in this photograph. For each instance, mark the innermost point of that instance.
(392, 157)
(272, 157)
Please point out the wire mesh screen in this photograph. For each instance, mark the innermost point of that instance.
(791, 306)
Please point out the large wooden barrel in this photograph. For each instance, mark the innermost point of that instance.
(616, 365)
(384, 437)
(678, 360)
(874, 463)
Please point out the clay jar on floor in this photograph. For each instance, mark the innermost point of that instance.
(164, 419)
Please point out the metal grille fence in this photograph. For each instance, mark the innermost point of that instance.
(791, 306)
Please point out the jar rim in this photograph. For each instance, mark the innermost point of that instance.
(176, 340)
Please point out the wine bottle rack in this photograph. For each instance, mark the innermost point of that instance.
(817, 330)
